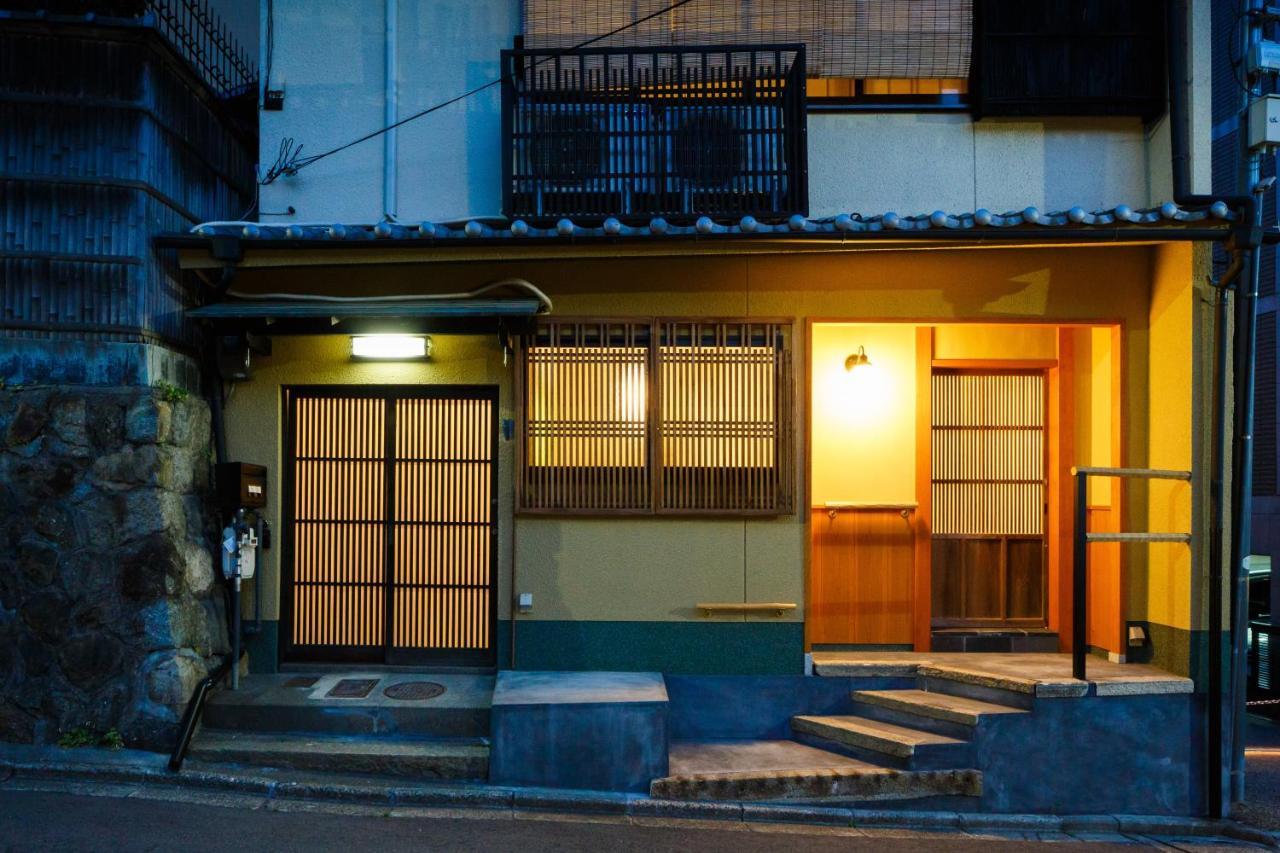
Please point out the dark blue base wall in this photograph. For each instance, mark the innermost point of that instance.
(686, 648)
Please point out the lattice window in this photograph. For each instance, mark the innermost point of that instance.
(664, 417)
(988, 453)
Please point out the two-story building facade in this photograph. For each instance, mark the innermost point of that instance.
(747, 334)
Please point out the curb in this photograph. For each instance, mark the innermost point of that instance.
(494, 798)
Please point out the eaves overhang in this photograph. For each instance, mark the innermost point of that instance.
(264, 244)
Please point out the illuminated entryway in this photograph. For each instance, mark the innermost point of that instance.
(940, 488)
(389, 510)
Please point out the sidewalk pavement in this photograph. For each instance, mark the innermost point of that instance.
(131, 773)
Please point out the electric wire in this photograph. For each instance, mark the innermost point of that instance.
(519, 283)
(289, 160)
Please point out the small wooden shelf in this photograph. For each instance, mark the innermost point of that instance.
(777, 608)
(868, 505)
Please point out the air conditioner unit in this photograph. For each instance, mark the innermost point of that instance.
(736, 150)
(566, 152)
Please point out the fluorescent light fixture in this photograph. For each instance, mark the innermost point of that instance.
(391, 347)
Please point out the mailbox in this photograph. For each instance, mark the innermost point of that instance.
(241, 486)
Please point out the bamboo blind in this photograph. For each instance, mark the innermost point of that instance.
(856, 38)
(442, 523)
(339, 522)
(667, 417)
(988, 453)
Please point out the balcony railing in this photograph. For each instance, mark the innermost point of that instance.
(635, 133)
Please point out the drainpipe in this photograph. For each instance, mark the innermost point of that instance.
(1246, 317)
(1244, 248)
(391, 111)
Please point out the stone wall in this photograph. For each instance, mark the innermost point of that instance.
(110, 611)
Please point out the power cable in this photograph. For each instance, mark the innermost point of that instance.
(289, 160)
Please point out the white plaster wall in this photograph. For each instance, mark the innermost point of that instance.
(918, 163)
(330, 57)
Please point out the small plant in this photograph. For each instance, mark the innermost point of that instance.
(84, 736)
(77, 737)
(171, 393)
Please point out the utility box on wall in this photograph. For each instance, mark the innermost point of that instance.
(241, 486)
(1264, 122)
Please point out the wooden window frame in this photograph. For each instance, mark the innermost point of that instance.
(784, 495)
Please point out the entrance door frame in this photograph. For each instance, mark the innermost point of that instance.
(1104, 618)
(386, 653)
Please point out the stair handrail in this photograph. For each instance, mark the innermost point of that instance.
(1082, 537)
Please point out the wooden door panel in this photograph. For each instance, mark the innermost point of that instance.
(1025, 578)
(860, 577)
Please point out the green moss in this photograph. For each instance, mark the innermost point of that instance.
(171, 393)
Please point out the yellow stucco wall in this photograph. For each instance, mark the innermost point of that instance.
(1169, 428)
(657, 569)
(254, 427)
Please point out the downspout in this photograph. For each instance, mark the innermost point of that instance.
(1246, 320)
(1244, 247)
(390, 111)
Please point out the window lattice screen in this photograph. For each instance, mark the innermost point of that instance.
(988, 453)
(586, 439)
(856, 38)
(667, 417)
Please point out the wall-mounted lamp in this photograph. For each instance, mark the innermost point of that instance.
(858, 359)
(390, 347)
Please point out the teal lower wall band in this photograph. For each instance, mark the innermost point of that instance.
(263, 647)
(692, 648)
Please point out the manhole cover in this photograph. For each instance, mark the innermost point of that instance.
(302, 681)
(352, 688)
(414, 690)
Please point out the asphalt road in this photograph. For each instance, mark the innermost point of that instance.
(56, 821)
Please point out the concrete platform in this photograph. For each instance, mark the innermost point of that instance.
(309, 703)
(593, 730)
(1037, 674)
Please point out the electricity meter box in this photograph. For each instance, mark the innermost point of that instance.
(1264, 122)
(241, 486)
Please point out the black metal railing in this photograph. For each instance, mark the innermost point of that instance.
(191, 27)
(635, 133)
(203, 38)
(1080, 553)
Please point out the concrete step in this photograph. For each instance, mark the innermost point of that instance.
(980, 686)
(299, 703)
(789, 771)
(942, 713)
(426, 760)
(883, 743)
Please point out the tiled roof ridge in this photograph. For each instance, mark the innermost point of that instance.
(849, 223)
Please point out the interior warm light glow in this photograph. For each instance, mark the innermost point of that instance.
(863, 419)
(390, 347)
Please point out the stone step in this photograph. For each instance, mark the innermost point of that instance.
(426, 760)
(998, 688)
(882, 742)
(942, 713)
(789, 771)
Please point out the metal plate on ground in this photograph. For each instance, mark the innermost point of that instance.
(302, 681)
(352, 688)
(414, 690)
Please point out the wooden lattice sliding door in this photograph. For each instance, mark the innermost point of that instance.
(389, 503)
(988, 436)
